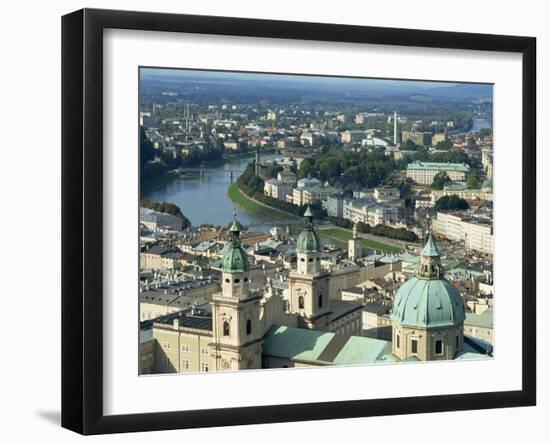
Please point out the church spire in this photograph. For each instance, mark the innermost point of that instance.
(235, 258)
(430, 260)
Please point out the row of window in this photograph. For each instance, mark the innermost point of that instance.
(227, 328)
(301, 302)
(186, 365)
(438, 345)
(184, 348)
(237, 280)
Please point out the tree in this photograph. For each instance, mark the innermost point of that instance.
(484, 132)
(307, 167)
(440, 180)
(451, 203)
(473, 180)
(443, 145)
(167, 208)
(408, 145)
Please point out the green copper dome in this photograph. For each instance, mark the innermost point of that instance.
(308, 241)
(234, 259)
(428, 303)
(234, 256)
(428, 300)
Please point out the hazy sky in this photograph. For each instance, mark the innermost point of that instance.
(221, 75)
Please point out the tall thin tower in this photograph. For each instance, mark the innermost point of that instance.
(395, 128)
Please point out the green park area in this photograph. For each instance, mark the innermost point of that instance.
(344, 235)
(255, 207)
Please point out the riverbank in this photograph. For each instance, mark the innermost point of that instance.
(156, 182)
(250, 205)
(345, 235)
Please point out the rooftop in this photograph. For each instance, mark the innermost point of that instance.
(484, 320)
(458, 167)
(323, 348)
(200, 319)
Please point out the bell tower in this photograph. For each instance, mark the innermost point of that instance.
(236, 328)
(355, 250)
(308, 248)
(308, 283)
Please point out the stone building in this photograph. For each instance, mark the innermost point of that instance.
(309, 323)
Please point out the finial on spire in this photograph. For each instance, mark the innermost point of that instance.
(235, 228)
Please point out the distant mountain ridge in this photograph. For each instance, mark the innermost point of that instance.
(344, 86)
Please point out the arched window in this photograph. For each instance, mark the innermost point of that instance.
(248, 327)
(225, 328)
(320, 300)
(301, 302)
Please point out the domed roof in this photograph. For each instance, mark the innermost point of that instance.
(428, 300)
(307, 240)
(234, 256)
(234, 259)
(428, 303)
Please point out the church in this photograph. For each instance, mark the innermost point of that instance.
(311, 325)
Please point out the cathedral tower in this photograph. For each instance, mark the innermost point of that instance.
(309, 284)
(237, 336)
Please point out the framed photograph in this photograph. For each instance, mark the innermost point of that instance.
(270, 221)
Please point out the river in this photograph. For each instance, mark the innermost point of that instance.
(478, 124)
(203, 199)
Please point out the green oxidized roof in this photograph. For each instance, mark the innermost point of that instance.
(430, 249)
(235, 260)
(428, 300)
(234, 256)
(323, 348)
(308, 240)
(427, 303)
(235, 227)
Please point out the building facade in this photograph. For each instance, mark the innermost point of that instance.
(419, 138)
(476, 233)
(424, 172)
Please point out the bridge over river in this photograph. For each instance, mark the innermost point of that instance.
(202, 196)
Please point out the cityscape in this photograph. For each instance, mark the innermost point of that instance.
(292, 221)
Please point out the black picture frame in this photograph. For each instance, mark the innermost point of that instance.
(82, 215)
